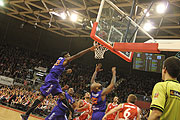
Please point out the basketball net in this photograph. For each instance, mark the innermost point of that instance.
(99, 51)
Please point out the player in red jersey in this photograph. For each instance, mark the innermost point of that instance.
(84, 107)
(111, 106)
(126, 111)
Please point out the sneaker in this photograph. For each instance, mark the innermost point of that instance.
(24, 116)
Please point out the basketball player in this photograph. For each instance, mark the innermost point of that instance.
(84, 107)
(126, 111)
(111, 106)
(166, 95)
(98, 95)
(59, 111)
(52, 82)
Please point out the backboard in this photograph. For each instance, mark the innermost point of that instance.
(114, 26)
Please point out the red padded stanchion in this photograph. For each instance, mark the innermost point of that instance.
(137, 47)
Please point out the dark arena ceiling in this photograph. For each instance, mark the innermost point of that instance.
(42, 14)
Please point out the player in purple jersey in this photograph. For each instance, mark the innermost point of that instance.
(98, 95)
(59, 111)
(51, 85)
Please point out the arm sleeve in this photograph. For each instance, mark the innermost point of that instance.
(159, 96)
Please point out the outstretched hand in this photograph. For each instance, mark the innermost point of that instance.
(68, 71)
(93, 47)
(66, 87)
(113, 69)
(98, 67)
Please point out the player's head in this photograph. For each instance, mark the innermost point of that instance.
(171, 67)
(96, 87)
(115, 99)
(65, 54)
(87, 95)
(131, 98)
(71, 91)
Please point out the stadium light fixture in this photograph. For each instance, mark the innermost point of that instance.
(73, 17)
(63, 15)
(148, 26)
(1, 3)
(147, 14)
(161, 8)
(55, 13)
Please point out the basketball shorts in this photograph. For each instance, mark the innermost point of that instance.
(53, 116)
(51, 87)
(56, 114)
(97, 115)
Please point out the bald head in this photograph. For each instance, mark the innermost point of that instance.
(96, 87)
(132, 98)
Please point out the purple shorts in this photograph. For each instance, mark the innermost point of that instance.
(57, 114)
(52, 87)
(97, 115)
(53, 116)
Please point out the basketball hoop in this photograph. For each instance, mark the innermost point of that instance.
(99, 51)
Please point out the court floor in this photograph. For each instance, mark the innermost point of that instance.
(7, 113)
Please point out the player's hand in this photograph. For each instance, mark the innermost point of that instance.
(98, 67)
(93, 47)
(69, 71)
(66, 87)
(114, 70)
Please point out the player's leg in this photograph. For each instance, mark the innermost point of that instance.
(45, 91)
(31, 109)
(58, 91)
(51, 116)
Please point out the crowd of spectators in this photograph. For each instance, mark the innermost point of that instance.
(21, 98)
(15, 63)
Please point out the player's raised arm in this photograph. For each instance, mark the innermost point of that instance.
(69, 59)
(112, 111)
(112, 84)
(97, 69)
(65, 87)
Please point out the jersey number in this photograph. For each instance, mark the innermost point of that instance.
(57, 62)
(127, 113)
(94, 100)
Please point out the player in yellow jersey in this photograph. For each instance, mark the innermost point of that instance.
(166, 95)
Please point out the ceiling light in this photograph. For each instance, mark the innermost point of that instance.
(1, 3)
(161, 8)
(55, 13)
(148, 26)
(63, 15)
(147, 14)
(91, 22)
(73, 17)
